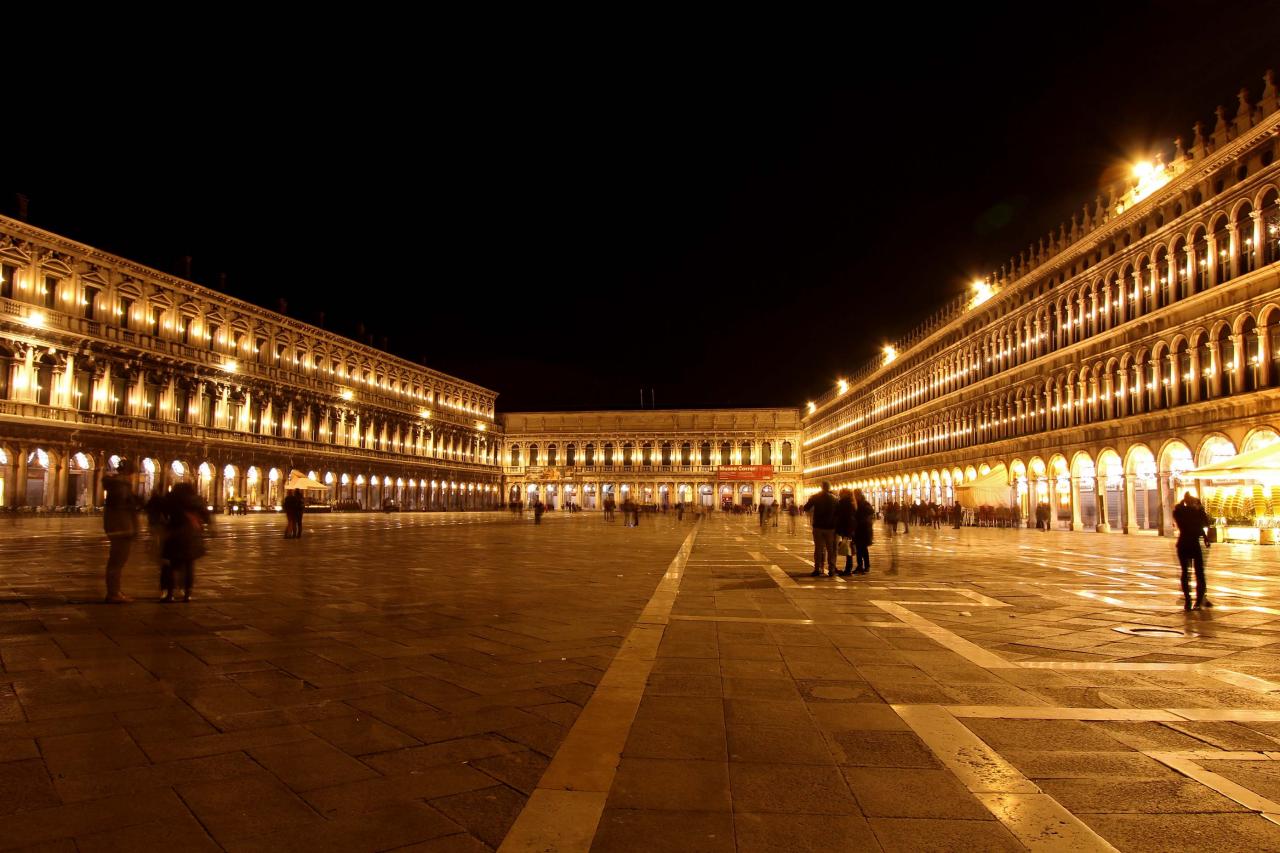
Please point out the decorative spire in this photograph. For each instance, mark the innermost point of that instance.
(1086, 224)
(1268, 102)
(1178, 153)
(1244, 112)
(1075, 229)
(1221, 133)
(1198, 148)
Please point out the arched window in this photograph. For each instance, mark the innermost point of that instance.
(1227, 358)
(1272, 345)
(1270, 227)
(766, 453)
(1178, 261)
(1244, 239)
(591, 455)
(705, 453)
(744, 453)
(1222, 249)
(1207, 368)
(1248, 356)
(786, 453)
(552, 452)
(571, 455)
(726, 453)
(1200, 260)
(533, 454)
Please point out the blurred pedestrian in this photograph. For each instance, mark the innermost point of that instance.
(186, 518)
(823, 522)
(1193, 527)
(863, 525)
(120, 523)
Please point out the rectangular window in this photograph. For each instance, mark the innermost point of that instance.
(82, 395)
(151, 403)
(126, 311)
(8, 273)
(50, 291)
(90, 302)
(206, 411)
(233, 415)
(118, 396)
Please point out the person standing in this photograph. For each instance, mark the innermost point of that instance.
(1193, 524)
(863, 524)
(823, 521)
(762, 511)
(120, 523)
(184, 543)
(293, 515)
(538, 509)
(844, 529)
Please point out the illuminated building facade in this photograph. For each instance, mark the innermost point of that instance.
(715, 458)
(102, 358)
(1136, 343)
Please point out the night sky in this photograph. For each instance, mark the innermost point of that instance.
(566, 225)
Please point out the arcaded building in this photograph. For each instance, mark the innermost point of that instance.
(1138, 342)
(713, 458)
(102, 359)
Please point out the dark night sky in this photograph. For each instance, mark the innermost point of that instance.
(567, 225)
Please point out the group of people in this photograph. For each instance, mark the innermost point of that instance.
(293, 505)
(840, 525)
(177, 521)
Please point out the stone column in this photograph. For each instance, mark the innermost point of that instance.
(60, 489)
(99, 464)
(1100, 498)
(1260, 346)
(1076, 523)
(1167, 501)
(19, 476)
(1240, 358)
(1218, 370)
(1130, 505)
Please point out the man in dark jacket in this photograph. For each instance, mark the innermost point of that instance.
(120, 523)
(823, 520)
(1193, 524)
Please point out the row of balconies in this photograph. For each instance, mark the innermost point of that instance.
(216, 362)
(638, 469)
(202, 434)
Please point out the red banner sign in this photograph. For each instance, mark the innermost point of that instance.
(744, 472)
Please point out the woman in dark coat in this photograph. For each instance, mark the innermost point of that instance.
(863, 517)
(186, 517)
(844, 526)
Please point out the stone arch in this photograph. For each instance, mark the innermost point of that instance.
(1215, 447)
(1259, 437)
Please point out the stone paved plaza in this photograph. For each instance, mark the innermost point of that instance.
(462, 682)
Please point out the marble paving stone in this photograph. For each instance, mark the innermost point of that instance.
(403, 681)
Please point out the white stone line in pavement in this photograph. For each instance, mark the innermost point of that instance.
(1050, 712)
(781, 578)
(563, 812)
(1035, 819)
(758, 619)
(1224, 786)
(949, 639)
(1222, 715)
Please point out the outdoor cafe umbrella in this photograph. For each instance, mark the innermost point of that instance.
(298, 480)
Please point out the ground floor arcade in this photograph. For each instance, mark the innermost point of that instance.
(1130, 486)
(52, 473)
(658, 494)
